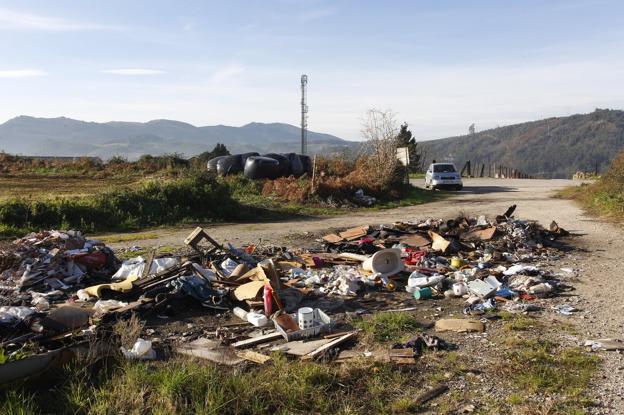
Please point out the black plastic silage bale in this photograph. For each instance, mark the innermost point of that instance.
(306, 162)
(284, 163)
(296, 167)
(229, 165)
(212, 163)
(258, 167)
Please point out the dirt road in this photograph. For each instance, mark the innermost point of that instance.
(600, 254)
(482, 196)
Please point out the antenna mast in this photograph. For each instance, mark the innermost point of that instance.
(304, 115)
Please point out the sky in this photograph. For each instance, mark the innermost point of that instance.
(438, 65)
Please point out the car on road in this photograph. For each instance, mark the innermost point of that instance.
(443, 176)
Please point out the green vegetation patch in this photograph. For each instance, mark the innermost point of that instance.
(195, 198)
(606, 195)
(186, 386)
(388, 326)
(543, 368)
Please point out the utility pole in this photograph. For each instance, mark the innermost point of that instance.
(304, 115)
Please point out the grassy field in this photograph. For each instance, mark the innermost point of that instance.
(134, 202)
(41, 187)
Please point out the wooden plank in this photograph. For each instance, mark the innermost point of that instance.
(257, 340)
(148, 263)
(301, 347)
(253, 356)
(331, 344)
(430, 394)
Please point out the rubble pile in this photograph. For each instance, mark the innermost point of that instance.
(53, 283)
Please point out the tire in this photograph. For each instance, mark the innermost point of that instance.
(459, 187)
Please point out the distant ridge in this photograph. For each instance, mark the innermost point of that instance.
(552, 148)
(68, 137)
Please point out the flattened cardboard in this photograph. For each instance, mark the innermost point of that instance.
(354, 233)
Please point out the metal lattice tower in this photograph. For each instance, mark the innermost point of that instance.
(304, 115)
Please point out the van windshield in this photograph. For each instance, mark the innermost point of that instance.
(443, 168)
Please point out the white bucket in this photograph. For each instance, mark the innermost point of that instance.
(305, 318)
(459, 289)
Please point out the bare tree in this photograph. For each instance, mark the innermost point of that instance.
(379, 129)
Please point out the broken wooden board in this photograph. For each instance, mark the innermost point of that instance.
(211, 350)
(253, 356)
(431, 394)
(354, 233)
(332, 238)
(460, 325)
(415, 240)
(439, 243)
(479, 234)
(249, 291)
(331, 344)
(301, 347)
(265, 338)
(397, 356)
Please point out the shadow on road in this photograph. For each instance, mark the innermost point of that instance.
(488, 189)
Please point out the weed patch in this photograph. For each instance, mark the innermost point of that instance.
(388, 326)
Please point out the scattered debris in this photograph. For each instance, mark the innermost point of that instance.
(59, 283)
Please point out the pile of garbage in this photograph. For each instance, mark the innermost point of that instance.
(60, 285)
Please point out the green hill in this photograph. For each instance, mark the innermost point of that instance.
(551, 148)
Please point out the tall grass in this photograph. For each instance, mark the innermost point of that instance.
(186, 386)
(606, 195)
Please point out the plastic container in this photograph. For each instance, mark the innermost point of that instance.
(240, 313)
(423, 293)
(459, 289)
(456, 262)
(267, 297)
(305, 317)
(257, 319)
(321, 324)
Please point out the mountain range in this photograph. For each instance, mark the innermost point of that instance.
(551, 148)
(68, 137)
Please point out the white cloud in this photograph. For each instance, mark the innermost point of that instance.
(22, 73)
(227, 72)
(133, 71)
(13, 19)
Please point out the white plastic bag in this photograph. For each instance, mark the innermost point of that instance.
(141, 350)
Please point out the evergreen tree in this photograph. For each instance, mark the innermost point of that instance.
(218, 150)
(405, 139)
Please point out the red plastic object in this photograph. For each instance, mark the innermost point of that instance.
(95, 259)
(268, 299)
(414, 257)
